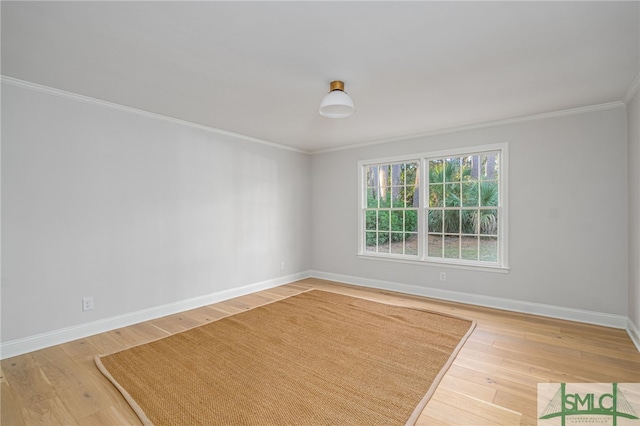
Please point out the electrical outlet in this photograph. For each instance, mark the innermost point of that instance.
(443, 276)
(87, 304)
(282, 265)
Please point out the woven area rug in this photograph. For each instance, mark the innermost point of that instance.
(316, 358)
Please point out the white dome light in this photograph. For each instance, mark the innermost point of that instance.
(336, 103)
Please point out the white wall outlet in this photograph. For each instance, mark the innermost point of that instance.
(282, 265)
(87, 304)
(443, 276)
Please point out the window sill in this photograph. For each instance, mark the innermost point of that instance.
(417, 261)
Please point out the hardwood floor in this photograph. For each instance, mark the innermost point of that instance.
(493, 380)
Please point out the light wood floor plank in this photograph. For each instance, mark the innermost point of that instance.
(490, 413)
(10, 407)
(426, 420)
(50, 412)
(493, 380)
(480, 391)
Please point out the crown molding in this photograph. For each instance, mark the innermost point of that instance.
(481, 125)
(94, 101)
(635, 87)
(633, 90)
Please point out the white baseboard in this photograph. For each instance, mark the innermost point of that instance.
(634, 333)
(560, 312)
(56, 337)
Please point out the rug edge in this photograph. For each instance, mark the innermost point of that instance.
(436, 381)
(130, 400)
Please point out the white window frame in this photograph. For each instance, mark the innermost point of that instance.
(502, 265)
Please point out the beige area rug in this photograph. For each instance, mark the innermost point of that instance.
(316, 358)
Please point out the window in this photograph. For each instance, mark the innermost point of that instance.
(391, 212)
(445, 207)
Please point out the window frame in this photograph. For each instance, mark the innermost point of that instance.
(502, 264)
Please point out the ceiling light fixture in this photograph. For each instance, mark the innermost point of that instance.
(336, 103)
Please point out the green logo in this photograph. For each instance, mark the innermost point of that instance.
(588, 403)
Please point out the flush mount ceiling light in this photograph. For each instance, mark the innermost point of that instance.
(336, 103)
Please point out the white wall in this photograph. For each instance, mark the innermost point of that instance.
(633, 126)
(140, 212)
(567, 208)
(136, 211)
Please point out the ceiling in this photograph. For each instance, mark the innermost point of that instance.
(260, 69)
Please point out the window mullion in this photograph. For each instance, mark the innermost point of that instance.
(423, 209)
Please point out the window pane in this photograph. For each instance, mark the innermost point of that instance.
(411, 196)
(469, 194)
(371, 173)
(465, 169)
(371, 221)
(452, 195)
(411, 244)
(370, 241)
(490, 163)
(372, 197)
(452, 221)
(435, 246)
(489, 221)
(469, 248)
(452, 246)
(435, 221)
(471, 168)
(383, 242)
(435, 195)
(397, 243)
(489, 194)
(372, 176)
(435, 171)
(397, 196)
(396, 183)
(397, 220)
(383, 220)
(396, 174)
(452, 170)
(385, 196)
(384, 175)
(469, 221)
(410, 173)
(489, 249)
(411, 220)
